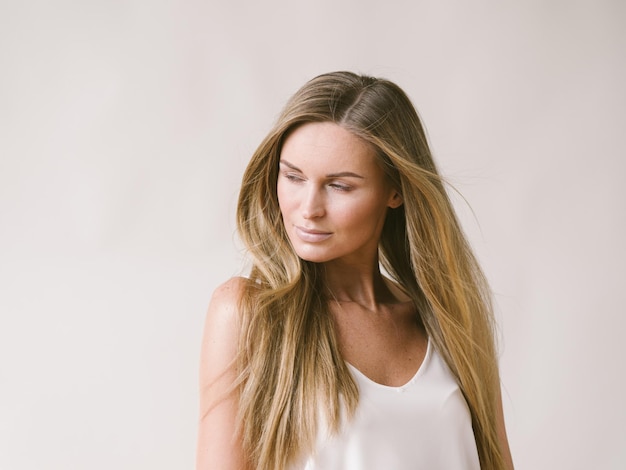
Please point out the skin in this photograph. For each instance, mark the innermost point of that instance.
(333, 197)
(219, 443)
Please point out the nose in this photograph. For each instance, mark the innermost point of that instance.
(313, 204)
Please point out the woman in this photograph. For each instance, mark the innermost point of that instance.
(363, 336)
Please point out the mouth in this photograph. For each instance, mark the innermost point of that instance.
(310, 235)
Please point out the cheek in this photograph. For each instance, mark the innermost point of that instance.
(284, 199)
(357, 220)
(363, 221)
(361, 213)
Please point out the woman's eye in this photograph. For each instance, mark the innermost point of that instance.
(293, 177)
(340, 187)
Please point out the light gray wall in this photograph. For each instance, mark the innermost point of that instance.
(124, 130)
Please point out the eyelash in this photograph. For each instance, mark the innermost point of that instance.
(340, 187)
(336, 186)
(292, 177)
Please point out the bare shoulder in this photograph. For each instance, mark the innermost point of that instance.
(219, 444)
(224, 305)
(226, 296)
(221, 328)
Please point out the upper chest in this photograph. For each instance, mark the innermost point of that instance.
(387, 346)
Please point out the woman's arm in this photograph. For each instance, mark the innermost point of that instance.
(219, 443)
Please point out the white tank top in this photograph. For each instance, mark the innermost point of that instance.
(424, 424)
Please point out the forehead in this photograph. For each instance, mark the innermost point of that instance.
(327, 143)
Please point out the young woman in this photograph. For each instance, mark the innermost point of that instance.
(363, 336)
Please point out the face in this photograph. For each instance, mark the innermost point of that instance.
(333, 194)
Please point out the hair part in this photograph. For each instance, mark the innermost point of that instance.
(289, 360)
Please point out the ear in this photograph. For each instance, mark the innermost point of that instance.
(396, 200)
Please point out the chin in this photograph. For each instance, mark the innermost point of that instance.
(313, 256)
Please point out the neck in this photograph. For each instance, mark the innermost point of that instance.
(363, 284)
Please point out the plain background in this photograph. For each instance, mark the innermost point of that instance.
(124, 130)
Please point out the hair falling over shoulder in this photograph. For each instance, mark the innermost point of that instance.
(289, 360)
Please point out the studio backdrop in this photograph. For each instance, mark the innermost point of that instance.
(124, 130)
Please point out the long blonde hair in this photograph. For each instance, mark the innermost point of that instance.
(289, 361)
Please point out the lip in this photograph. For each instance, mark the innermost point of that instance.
(310, 235)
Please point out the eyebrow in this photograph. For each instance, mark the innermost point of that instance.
(341, 174)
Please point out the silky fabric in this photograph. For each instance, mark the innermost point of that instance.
(424, 424)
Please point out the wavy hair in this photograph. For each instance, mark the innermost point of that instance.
(289, 361)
